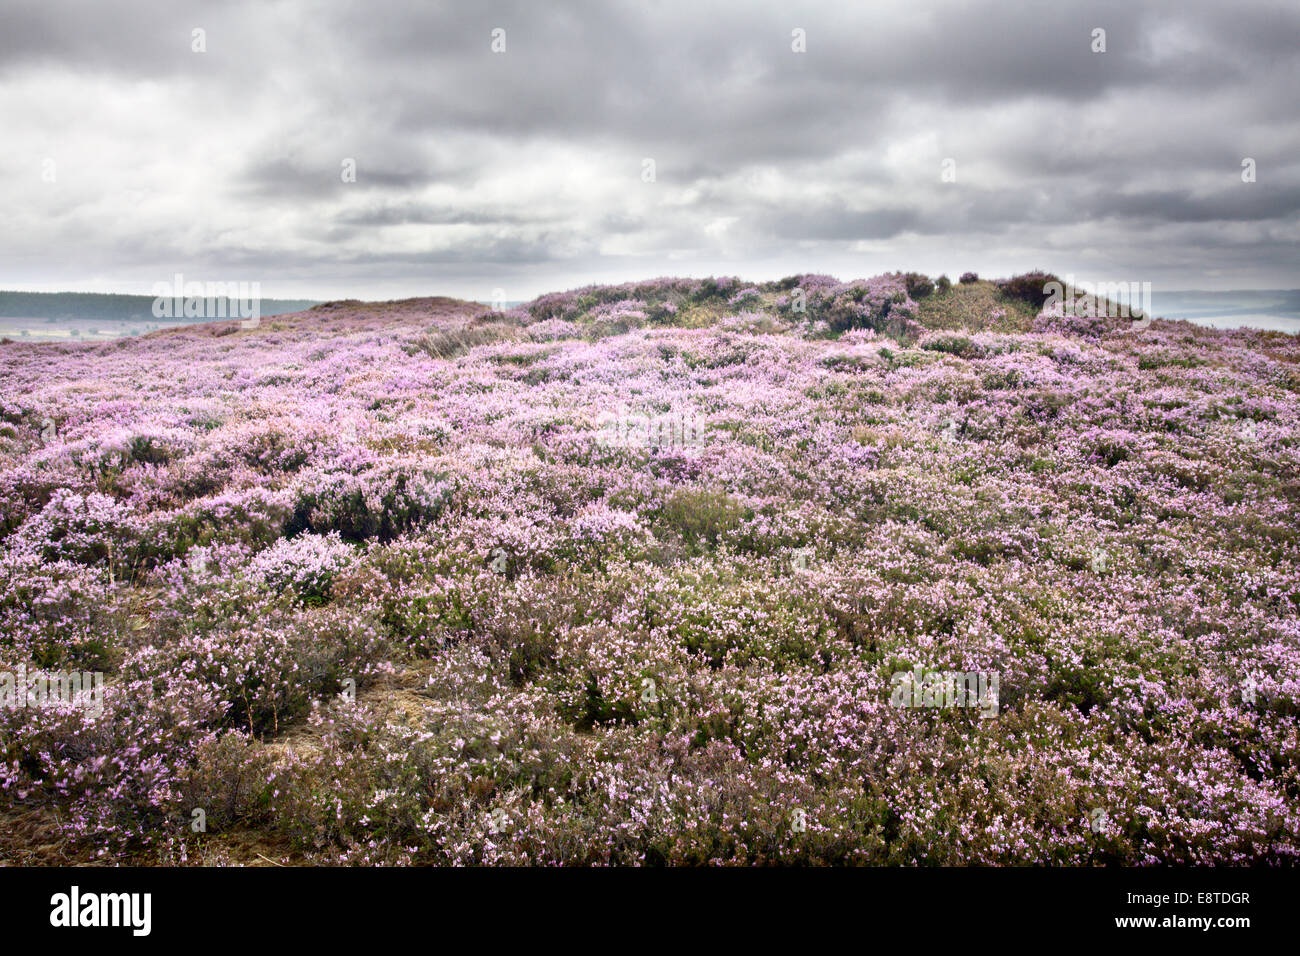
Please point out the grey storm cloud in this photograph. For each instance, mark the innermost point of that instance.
(128, 155)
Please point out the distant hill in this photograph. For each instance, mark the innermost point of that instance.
(82, 306)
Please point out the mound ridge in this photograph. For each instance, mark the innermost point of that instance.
(628, 574)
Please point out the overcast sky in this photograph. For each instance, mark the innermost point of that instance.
(524, 170)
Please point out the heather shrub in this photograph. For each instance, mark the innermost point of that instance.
(306, 564)
(254, 518)
(228, 781)
(380, 503)
(272, 447)
(423, 596)
(701, 517)
(452, 343)
(1027, 288)
(373, 782)
(552, 330)
(83, 528)
(960, 345)
(250, 667)
(713, 288)
(880, 304)
(616, 318)
(56, 614)
(918, 286)
(598, 533)
(1089, 327)
(334, 645)
(118, 771)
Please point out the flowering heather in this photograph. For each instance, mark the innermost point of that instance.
(367, 585)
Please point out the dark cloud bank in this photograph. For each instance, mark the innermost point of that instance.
(525, 170)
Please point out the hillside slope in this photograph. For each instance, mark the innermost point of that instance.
(629, 574)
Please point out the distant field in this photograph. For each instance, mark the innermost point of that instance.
(38, 329)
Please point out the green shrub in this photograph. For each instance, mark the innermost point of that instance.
(1028, 287)
(918, 286)
(701, 516)
(960, 345)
